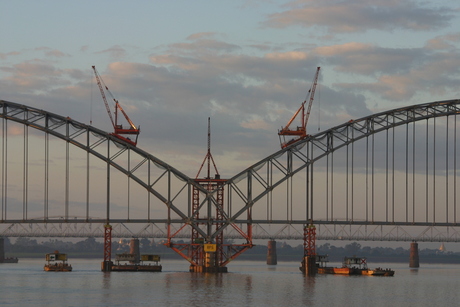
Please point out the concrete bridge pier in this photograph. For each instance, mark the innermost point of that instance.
(2, 249)
(134, 249)
(308, 265)
(413, 260)
(272, 258)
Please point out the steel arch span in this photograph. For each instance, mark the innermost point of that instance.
(389, 176)
(166, 184)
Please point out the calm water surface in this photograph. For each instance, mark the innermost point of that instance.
(246, 284)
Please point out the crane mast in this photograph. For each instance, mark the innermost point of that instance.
(119, 131)
(208, 156)
(301, 131)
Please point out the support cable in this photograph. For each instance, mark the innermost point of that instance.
(413, 171)
(434, 171)
(407, 171)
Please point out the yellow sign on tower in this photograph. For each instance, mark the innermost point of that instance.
(209, 247)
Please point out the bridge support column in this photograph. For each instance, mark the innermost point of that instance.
(134, 249)
(2, 250)
(209, 262)
(106, 265)
(413, 260)
(309, 265)
(272, 258)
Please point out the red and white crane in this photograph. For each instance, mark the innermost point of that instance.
(301, 132)
(119, 131)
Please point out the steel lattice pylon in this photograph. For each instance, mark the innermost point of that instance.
(309, 241)
(248, 191)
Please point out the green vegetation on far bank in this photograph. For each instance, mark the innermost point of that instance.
(92, 248)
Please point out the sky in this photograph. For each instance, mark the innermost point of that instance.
(247, 65)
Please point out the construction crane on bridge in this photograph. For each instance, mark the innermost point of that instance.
(301, 132)
(119, 131)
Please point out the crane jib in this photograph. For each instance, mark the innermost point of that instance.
(119, 131)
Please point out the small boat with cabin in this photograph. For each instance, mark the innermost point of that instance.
(359, 267)
(57, 262)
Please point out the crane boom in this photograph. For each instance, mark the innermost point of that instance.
(99, 83)
(301, 131)
(312, 95)
(118, 129)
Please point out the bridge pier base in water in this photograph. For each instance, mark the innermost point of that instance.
(272, 258)
(106, 265)
(414, 260)
(134, 249)
(210, 265)
(308, 265)
(2, 249)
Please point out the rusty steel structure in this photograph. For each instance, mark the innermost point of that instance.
(107, 263)
(390, 176)
(119, 131)
(300, 132)
(205, 255)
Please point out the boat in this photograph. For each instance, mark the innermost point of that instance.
(132, 263)
(322, 267)
(350, 266)
(57, 262)
(333, 270)
(359, 267)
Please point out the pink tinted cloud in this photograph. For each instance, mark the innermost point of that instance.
(339, 16)
(4, 56)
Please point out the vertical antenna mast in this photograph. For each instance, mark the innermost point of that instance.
(209, 147)
(208, 156)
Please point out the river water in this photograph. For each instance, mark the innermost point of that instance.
(248, 283)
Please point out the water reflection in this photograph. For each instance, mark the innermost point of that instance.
(248, 290)
(247, 284)
(271, 267)
(309, 282)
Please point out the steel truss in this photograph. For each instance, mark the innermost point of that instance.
(295, 232)
(255, 185)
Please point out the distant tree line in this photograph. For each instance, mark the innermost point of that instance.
(93, 248)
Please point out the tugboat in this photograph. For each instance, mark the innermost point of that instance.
(359, 267)
(322, 268)
(57, 262)
(350, 266)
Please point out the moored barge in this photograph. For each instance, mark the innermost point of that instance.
(129, 263)
(57, 262)
(350, 266)
(359, 267)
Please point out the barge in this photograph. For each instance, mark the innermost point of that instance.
(129, 263)
(350, 266)
(57, 262)
(359, 266)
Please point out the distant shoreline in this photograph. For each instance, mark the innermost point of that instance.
(439, 259)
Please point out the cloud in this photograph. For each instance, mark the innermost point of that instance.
(420, 79)
(248, 95)
(443, 42)
(395, 73)
(202, 35)
(201, 43)
(368, 59)
(338, 16)
(4, 56)
(56, 53)
(116, 52)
